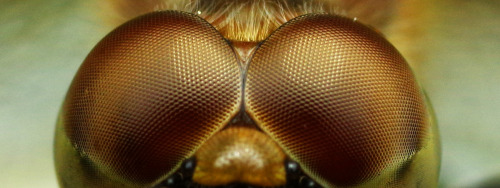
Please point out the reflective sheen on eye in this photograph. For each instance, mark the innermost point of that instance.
(173, 100)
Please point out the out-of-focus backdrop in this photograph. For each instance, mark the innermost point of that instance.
(42, 44)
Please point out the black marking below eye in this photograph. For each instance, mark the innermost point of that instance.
(295, 178)
(181, 178)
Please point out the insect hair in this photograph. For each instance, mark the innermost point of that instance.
(252, 20)
(237, 20)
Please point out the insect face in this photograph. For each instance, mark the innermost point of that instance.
(201, 99)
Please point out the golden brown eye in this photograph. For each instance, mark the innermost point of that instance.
(145, 98)
(165, 100)
(337, 97)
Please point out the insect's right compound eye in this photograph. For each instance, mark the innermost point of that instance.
(146, 97)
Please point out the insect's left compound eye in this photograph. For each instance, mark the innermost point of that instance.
(339, 99)
(147, 95)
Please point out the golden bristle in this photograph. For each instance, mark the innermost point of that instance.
(254, 20)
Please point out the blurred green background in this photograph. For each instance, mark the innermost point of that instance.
(42, 44)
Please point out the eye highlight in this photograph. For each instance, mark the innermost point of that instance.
(337, 97)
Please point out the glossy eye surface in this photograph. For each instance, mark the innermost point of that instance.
(322, 92)
(337, 97)
(147, 95)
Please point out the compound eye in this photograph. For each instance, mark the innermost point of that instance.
(146, 97)
(337, 97)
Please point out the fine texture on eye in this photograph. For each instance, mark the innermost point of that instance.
(337, 97)
(149, 94)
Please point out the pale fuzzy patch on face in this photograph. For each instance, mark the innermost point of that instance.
(240, 154)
